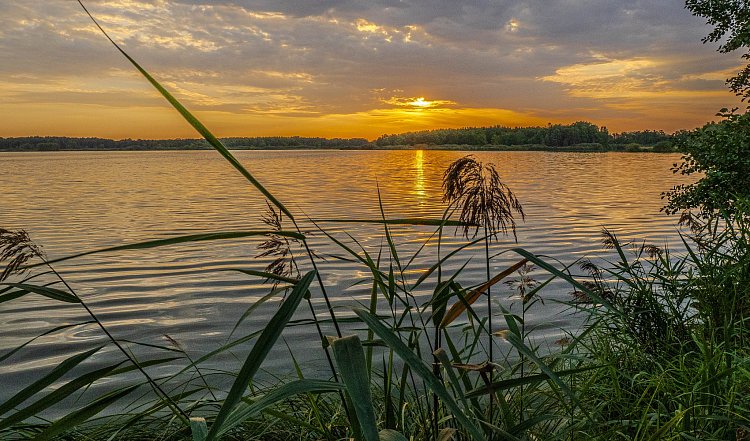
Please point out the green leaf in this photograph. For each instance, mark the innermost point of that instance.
(8, 296)
(663, 430)
(198, 428)
(421, 369)
(390, 435)
(80, 416)
(260, 350)
(402, 221)
(350, 357)
(247, 410)
(521, 381)
(525, 350)
(442, 356)
(51, 331)
(222, 235)
(46, 291)
(264, 274)
(60, 370)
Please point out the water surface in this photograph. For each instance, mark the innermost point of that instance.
(77, 201)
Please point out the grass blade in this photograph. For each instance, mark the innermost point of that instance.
(350, 358)
(181, 239)
(198, 428)
(283, 392)
(402, 221)
(525, 350)
(57, 395)
(46, 291)
(60, 370)
(521, 381)
(260, 350)
(421, 369)
(391, 435)
(51, 331)
(80, 416)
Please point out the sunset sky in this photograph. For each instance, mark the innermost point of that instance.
(355, 68)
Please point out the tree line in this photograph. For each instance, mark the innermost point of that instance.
(580, 133)
(55, 143)
(553, 135)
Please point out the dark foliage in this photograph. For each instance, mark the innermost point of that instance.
(720, 152)
(50, 143)
(580, 133)
(731, 22)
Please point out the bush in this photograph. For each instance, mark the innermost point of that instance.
(673, 334)
(721, 153)
(633, 147)
(663, 147)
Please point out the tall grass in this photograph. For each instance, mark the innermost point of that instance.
(663, 355)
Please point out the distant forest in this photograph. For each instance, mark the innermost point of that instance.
(582, 135)
(54, 143)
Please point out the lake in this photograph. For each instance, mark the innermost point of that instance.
(72, 202)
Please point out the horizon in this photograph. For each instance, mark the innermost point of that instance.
(369, 140)
(258, 69)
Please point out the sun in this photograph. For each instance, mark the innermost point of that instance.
(421, 103)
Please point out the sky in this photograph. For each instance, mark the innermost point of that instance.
(357, 68)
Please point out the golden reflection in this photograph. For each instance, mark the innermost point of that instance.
(419, 186)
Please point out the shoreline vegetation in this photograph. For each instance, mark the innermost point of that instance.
(577, 137)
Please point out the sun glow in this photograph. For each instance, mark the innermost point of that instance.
(417, 102)
(420, 102)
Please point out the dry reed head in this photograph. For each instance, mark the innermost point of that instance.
(651, 250)
(484, 200)
(610, 240)
(690, 220)
(524, 283)
(277, 246)
(591, 268)
(16, 248)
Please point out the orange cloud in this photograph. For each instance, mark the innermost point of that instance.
(417, 102)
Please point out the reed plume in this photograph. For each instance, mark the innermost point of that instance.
(278, 246)
(16, 248)
(484, 200)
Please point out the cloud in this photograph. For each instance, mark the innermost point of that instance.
(308, 61)
(417, 102)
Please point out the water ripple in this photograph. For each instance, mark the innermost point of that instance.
(72, 202)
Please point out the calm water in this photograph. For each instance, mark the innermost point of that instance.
(73, 202)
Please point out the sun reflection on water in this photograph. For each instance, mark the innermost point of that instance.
(419, 185)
